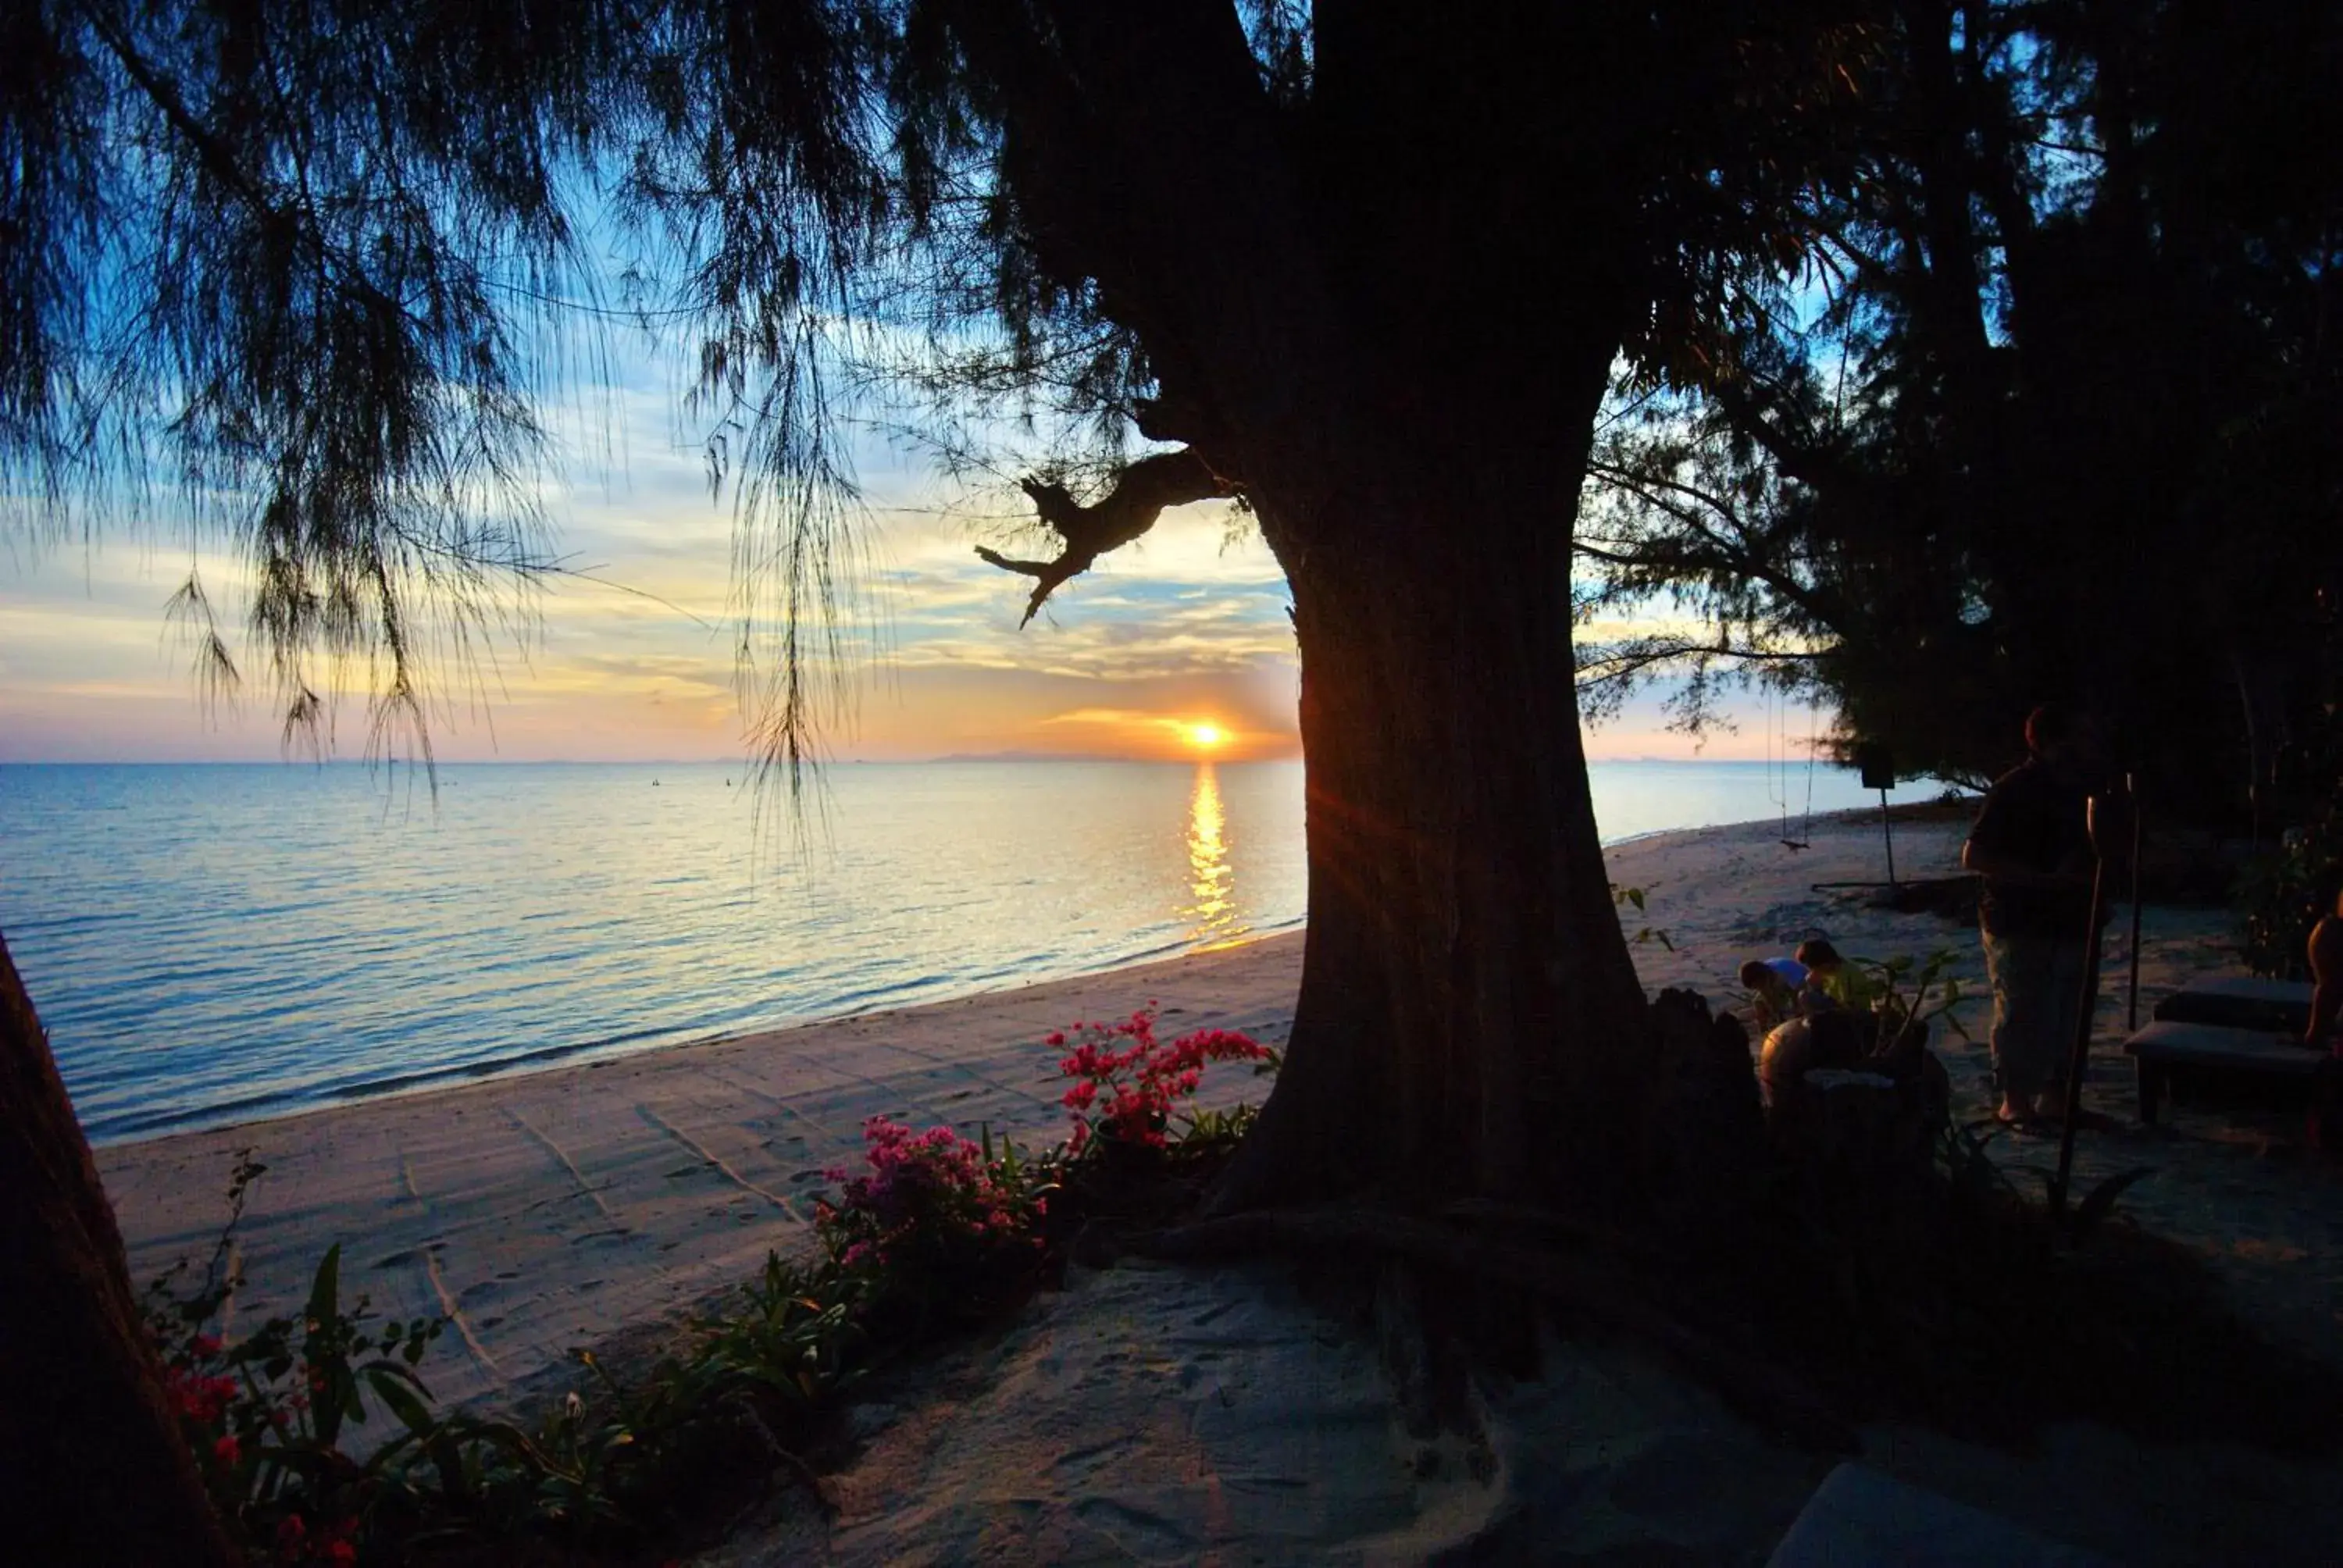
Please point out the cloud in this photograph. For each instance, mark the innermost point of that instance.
(633, 654)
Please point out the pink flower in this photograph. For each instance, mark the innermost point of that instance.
(225, 1449)
(204, 1345)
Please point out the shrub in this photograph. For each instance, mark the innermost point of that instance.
(2284, 893)
(936, 1230)
(1934, 991)
(263, 1415)
(939, 1226)
(1127, 1086)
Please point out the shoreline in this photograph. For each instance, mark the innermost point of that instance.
(596, 1204)
(550, 1208)
(545, 1209)
(594, 1052)
(288, 1104)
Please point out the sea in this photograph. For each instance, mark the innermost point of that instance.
(210, 943)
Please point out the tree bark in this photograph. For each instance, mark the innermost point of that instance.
(88, 1446)
(1469, 1016)
(1469, 1019)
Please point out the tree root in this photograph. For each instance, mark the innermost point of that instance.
(1594, 1287)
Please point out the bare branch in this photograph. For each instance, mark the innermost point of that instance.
(1141, 493)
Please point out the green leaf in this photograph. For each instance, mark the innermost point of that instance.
(325, 1290)
(403, 1402)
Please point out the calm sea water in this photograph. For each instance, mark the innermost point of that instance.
(212, 943)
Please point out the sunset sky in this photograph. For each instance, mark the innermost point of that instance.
(1174, 632)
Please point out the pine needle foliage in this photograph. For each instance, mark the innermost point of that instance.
(302, 278)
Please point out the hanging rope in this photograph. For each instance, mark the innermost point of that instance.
(1777, 772)
(1814, 748)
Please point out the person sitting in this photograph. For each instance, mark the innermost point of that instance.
(1846, 986)
(1772, 985)
(2327, 980)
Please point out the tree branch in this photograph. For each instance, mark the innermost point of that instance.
(1141, 493)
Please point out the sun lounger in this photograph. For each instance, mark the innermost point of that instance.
(2240, 1002)
(1859, 1518)
(2165, 1045)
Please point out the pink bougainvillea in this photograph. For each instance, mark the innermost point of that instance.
(931, 1206)
(1127, 1084)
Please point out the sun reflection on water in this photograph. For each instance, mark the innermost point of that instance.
(1212, 885)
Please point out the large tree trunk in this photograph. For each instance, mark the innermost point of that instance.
(1469, 1019)
(1400, 368)
(89, 1452)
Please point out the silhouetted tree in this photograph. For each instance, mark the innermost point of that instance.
(1368, 268)
(2055, 415)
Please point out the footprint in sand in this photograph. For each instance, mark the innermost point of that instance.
(1136, 1530)
(1088, 1458)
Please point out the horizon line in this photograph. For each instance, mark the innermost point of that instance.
(749, 765)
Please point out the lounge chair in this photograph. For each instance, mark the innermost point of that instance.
(2232, 1026)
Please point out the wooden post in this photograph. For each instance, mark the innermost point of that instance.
(1887, 827)
(2131, 1007)
(2079, 1058)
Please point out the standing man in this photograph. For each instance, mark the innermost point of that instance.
(2032, 846)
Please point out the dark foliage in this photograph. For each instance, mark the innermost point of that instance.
(2053, 414)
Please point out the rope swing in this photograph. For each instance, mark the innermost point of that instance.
(1777, 775)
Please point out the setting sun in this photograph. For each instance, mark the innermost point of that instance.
(1204, 736)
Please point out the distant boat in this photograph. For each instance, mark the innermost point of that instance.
(654, 783)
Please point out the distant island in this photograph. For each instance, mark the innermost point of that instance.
(1033, 757)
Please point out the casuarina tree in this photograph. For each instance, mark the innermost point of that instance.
(298, 270)
(2054, 416)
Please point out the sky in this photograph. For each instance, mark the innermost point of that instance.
(1176, 647)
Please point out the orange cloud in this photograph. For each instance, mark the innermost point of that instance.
(1189, 732)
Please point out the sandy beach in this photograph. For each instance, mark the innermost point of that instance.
(1158, 1414)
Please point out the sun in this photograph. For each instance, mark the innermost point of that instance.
(1205, 735)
